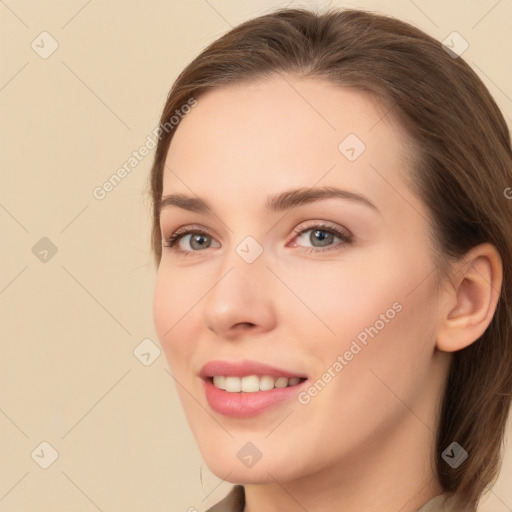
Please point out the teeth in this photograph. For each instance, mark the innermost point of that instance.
(266, 383)
(250, 384)
(233, 384)
(253, 383)
(281, 382)
(219, 382)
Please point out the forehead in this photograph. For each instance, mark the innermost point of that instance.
(280, 132)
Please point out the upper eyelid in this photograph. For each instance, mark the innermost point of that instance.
(324, 224)
(188, 229)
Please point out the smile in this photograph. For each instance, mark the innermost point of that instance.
(243, 389)
(253, 383)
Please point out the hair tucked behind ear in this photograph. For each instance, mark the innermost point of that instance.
(463, 166)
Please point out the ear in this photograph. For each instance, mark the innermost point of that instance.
(470, 302)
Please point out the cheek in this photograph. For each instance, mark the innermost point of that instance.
(341, 300)
(174, 312)
(387, 347)
(381, 312)
(381, 380)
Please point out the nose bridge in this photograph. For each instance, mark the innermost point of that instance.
(244, 264)
(242, 292)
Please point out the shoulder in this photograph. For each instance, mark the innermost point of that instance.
(235, 502)
(442, 503)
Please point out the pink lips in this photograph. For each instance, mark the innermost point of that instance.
(245, 405)
(244, 368)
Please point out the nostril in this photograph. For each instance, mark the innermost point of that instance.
(245, 325)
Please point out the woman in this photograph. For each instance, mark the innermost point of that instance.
(331, 234)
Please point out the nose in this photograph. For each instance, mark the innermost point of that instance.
(241, 301)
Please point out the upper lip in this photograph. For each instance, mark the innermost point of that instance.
(243, 369)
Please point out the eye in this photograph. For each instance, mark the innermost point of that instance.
(188, 240)
(315, 238)
(321, 237)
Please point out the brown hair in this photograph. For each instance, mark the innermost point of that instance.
(463, 166)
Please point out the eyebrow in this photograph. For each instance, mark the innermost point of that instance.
(277, 203)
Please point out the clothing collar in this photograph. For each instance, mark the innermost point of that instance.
(235, 502)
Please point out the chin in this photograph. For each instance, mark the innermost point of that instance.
(258, 474)
(231, 467)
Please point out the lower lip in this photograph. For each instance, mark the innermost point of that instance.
(246, 405)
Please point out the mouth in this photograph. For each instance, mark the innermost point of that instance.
(253, 383)
(248, 388)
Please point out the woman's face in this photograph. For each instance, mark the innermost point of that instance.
(312, 256)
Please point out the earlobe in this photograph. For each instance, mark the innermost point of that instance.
(472, 299)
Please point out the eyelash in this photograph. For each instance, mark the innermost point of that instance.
(172, 241)
(344, 237)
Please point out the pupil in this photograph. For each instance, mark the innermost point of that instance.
(322, 237)
(199, 242)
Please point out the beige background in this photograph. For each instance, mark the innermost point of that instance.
(70, 323)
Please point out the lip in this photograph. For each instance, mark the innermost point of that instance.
(245, 368)
(246, 405)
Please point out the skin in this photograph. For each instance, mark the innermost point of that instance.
(366, 441)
